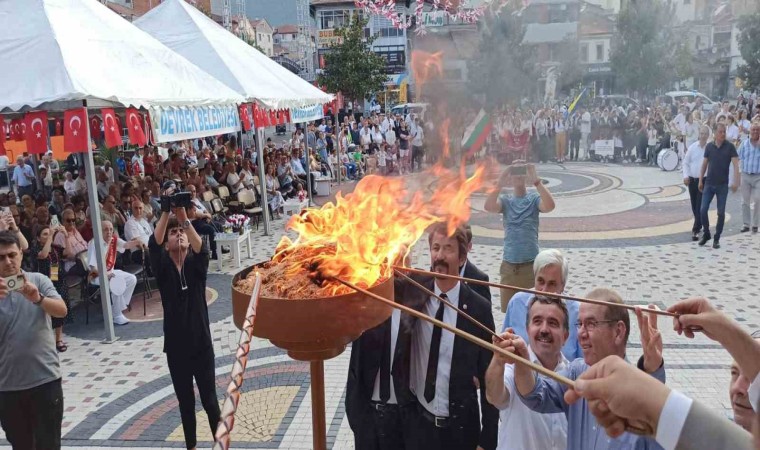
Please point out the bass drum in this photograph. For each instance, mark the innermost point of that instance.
(667, 160)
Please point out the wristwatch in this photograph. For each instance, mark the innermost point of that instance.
(38, 302)
(185, 225)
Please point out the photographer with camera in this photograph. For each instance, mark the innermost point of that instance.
(519, 211)
(180, 263)
(31, 398)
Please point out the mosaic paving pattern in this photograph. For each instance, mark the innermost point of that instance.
(120, 394)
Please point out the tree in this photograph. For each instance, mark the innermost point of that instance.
(503, 69)
(648, 54)
(351, 67)
(749, 47)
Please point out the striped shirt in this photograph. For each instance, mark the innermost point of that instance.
(749, 157)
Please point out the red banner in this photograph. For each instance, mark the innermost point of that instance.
(17, 130)
(245, 119)
(36, 132)
(75, 131)
(135, 128)
(111, 128)
(95, 132)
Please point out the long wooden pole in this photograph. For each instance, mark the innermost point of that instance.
(447, 303)
(531, 291)
(477, 341)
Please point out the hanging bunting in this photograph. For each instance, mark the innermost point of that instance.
(75, 131)
(111, 128)
(36, 132)
(134, 128)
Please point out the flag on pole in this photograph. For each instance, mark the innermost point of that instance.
(75, 131)
(476, 134)
(111, 128)
(575, 102)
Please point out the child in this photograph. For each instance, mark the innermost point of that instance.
(300, 192)
(381, 155)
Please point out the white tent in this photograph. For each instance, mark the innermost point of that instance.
(62, 54)
(249, 72)
(58, 50)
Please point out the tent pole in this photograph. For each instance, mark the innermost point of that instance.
(308, 177)
(336, 145)
(92, 195)
(262, 179)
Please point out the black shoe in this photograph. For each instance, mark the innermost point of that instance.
(716, 244)
(754, 229)
(744, 229)
(695, 236)
(705, 237)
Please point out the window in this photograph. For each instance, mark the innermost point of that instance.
(395, 57)
(584, 52)
(600, 52)
(336, 19)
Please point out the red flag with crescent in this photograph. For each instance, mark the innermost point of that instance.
(148, 128)
(36, 132)
(95, 132)
(256, 116)
(75, 131)
(272, 118)
(17, 130)
(135, 128)
(111, 128)
(245, 120)
(2, 135)
(58, 127)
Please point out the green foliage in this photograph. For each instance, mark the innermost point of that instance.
(749, 47)
(351, 67)
(647, 54)
(504, 70)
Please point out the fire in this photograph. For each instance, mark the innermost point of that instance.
(359, 236)
(444, 135)
(425, 67)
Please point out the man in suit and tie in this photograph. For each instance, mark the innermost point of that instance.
(469, 270)
(445, 368)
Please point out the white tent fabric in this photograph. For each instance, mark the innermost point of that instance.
(249, 72)
(59, 50)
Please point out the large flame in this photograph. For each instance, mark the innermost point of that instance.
(425, 67)
(361, 235)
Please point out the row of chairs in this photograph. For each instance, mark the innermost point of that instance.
(248, 202)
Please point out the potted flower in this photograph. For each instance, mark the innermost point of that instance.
(238, 222)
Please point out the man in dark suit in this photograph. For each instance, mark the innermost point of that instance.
(469, 270)
(446, 370)
(379, 404)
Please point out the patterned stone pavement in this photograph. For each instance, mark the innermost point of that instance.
(623, 227)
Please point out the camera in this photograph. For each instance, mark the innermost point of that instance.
(178, 197)
(14, 283)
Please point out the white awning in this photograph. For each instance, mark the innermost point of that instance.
(229, 59)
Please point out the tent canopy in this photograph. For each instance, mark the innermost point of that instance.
(73, 50)
(249, 72)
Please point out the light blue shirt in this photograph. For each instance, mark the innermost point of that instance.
(520, 219)
(517, 316)
(749, 158)
(20, 174)
(297, 167)
(583, 432)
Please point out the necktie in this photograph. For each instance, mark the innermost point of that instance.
(385, 364)
(435, 344)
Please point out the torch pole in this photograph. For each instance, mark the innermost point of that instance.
(318, 422)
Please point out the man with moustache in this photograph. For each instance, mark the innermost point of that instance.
(446, 370)
(521, 428)
(603, 331)
(738, 393)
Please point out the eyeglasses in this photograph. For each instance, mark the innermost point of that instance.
(70, 220)
(591, 324)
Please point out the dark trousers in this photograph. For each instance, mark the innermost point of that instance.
(696, 204)
(456, 436)
(721, 192)
(388, 427)
(32, 418)
(417, 154)
(575, 145)
(183, 369)
(25, 190)
(204, 228)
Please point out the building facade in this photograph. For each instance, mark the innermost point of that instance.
(264, 35)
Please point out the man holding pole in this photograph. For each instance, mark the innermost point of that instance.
(602, 331)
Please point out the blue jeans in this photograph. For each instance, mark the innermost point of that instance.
(721, 192)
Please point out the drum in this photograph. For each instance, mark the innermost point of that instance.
(667, 159)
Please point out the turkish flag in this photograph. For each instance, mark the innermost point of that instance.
(75, 131)
(17, 130)
(148, 128)
(272, 118)
(95, 132)
(244, 119)
(36, 132)
(256, 116)
(111, 128)
(2, 135)
(135, 128)
(58, 127)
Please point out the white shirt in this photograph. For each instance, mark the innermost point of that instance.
(586, 122)
(381, 155)
(691, 132)
(70, 187)
(395, 321)
(138, 228)
(418, 136)
(732, 133)
(92, 257)
(423, 335)
(692, 162)
(80, 185)
(672, 419)
(520, 428)
(232, 179)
